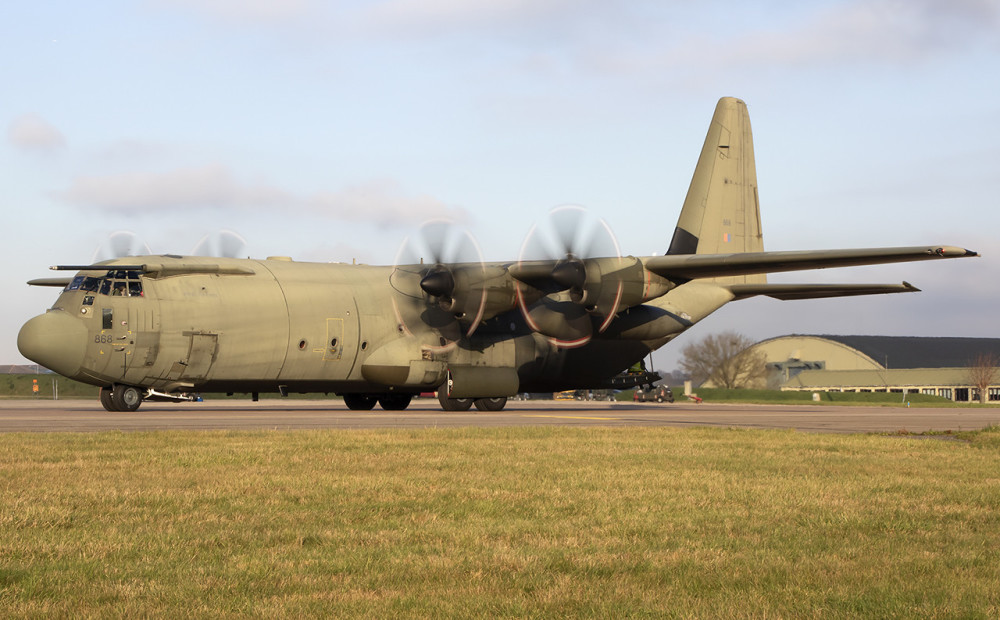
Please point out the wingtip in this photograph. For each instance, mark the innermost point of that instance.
(950, 251)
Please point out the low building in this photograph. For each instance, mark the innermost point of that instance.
(936, 366)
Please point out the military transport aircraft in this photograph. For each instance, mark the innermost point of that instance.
(165, 327)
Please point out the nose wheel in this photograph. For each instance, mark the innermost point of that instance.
(121, 398)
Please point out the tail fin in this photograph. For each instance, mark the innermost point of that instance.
(721, 214)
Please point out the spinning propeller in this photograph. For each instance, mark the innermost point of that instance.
(440, 273)
(581, 293)
(120, 244)
(569, 282)
(223, 244)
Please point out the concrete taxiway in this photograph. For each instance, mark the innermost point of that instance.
(75, 416)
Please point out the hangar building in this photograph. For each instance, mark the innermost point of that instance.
(937, 366)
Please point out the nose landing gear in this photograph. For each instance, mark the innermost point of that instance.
(121, 398)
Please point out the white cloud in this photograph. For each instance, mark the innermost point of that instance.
(384, 203)
(31, 132)
(647, 35)
(813, 36)
(888, 30)
(207, 186)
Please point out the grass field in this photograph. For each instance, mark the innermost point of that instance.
(513, 522)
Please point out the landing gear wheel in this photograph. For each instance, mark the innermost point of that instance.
(454, 404)
(126, 397)
(360, 402)
(395, 402)
(107, 400)
(491, 404)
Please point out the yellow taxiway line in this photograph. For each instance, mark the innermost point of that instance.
(568, 417)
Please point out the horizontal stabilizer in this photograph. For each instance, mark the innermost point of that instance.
(692, 266)
(788, 292)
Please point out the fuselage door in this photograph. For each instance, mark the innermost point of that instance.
(113, 342)
(144, 336)
(200, 355)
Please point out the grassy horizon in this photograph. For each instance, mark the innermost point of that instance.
(509, 522)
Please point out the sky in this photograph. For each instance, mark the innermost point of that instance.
(329, 131)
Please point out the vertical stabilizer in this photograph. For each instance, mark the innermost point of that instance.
(721, 214)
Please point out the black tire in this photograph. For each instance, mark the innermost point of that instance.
(490, 404)
(126, 397)
(395, 402)
(659, 399)
(360, 402)
(454, 404)
(106, 399)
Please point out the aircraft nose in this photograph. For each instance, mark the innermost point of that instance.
(55, 340)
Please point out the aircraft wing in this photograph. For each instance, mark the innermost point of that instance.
(692, 266)
(787, 292)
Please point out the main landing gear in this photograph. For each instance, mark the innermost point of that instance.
(399, 402)
(464, 404)
(121, 398)
(490, 404)
(366, 402)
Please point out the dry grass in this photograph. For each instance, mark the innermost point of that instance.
(499, 522)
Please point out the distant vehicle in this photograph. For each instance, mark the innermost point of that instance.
(534, 396)
(595, 394)
(661, 394)
(565, 395)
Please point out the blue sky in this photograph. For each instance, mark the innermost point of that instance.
(330, 130)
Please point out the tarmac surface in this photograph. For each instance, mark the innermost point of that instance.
(85, 415)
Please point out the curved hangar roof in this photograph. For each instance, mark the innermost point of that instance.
(876, 352)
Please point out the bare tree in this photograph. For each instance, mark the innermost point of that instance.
(726, 360)
(983, 372)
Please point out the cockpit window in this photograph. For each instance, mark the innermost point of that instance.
(119, 283)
